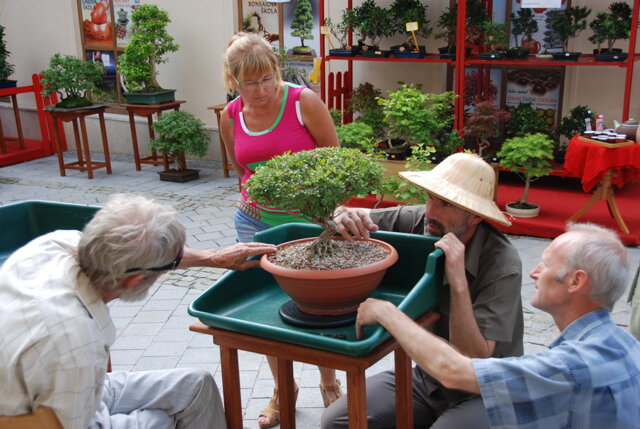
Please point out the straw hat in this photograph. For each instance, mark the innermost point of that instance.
(465, 180)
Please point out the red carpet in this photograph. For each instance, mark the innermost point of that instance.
(559, 198)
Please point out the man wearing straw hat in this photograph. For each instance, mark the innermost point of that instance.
(480, 307)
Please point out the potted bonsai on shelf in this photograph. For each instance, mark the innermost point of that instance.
(312, 185)
(523, 23)
(302, 26)
(180, 133)
(402, 12)
(373, 23)
(610, 27)
(339, 31)
(530, 157)
(566, 24)
(148, 47)
(6, 68)
(71, 78)
(494, 39)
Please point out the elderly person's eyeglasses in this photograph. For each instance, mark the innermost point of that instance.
(168, 267)
(267, 82)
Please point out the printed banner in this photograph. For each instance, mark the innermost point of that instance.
(124, 29)
(97, 27)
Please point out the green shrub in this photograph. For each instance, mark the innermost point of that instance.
(180, 132)
(356, 135)
(71, 78)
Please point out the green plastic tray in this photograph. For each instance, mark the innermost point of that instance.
(248, 301)
(22, 222)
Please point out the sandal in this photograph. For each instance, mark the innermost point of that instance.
(272, 410)
(325, 390)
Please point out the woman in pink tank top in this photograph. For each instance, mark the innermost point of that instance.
(269, 118)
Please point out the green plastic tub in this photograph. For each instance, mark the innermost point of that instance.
(248, 301)
(22, 222)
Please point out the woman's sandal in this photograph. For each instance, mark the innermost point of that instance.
(325, 390)
(272, 410)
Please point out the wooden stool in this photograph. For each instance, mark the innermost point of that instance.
(73, 116)
(147, 111)
(226, 166)
(4, 140)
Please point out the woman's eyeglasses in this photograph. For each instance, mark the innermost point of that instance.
(267, 82)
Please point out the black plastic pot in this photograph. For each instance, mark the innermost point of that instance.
(341, 53)
(611, 55)
(566, 56)
(491, 55)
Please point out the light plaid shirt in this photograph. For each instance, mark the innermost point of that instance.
(55, 333)
(589, 378)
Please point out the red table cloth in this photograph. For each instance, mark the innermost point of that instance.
(591, 162)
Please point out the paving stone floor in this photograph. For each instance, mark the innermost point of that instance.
(153, 334)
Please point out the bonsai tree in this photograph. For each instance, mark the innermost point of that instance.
(6, 68)
(403, 11)
(484, 122)
(525, 120)
(71, 78)
(339, 31)
(315, 183)
(147, 48)
(180, 133)
(302, 25)
(612, 26)
(415, 116)
(476, 17)
(523, 23)
(494, 36)
(373, 22)
(356, 135)
(530, 157)
(364, 103)
(448, 22)
(567, 23)
(574, 124)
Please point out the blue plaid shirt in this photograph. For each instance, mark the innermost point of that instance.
(589, 378)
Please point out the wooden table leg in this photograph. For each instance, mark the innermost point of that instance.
(105, 143)
(76, 135)
(614, 211)
(3, 144)
(85, 144)
(357, 400)
(56, 139)
(286, 394)
(16, 114)
(231, 387)
(134, 139)
(404, 390)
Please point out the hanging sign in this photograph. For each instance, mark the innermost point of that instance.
(548, 4)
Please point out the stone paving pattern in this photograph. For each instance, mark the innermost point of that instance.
(153, 334)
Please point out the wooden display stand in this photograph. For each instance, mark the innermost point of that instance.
(285, 353)
(147, 111)
(226, 166)
(20, 140)
(75, 116)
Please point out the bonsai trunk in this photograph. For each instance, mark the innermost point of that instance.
(178, 159)
(324, 246)
(527, 185)
(153, 81)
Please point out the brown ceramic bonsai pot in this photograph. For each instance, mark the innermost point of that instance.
(330, 292)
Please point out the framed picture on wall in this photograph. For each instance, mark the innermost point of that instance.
(262, 17)
(123, 27)
(96, 22)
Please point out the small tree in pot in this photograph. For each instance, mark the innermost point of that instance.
(6, 68)
(610, 27)
(495, 39)
(180, 133)
(522, 23)
(374, 23)
(71, 78)
(530, 157)
(566, 24)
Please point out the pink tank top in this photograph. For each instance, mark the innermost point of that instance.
(254, 148)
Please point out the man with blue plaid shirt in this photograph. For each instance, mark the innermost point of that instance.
(589, 377)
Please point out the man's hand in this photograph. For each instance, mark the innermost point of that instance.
(233, 257)
(368, 314)
(454, 269)
(354, 223)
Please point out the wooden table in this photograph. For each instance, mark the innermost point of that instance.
(16, 114)
(603, 166)
(74, 116)
(147, 111)
(285, 353)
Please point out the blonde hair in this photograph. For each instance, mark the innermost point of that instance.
(248, 54)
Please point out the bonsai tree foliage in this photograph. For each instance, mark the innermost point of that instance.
(476, 17)
(574, 123)
(373, 22)
(364, 103)
(356, 135)
(525, 120)
(302, 23)
(313, 184)
(567, 23)
(6, 68)
(530, 157)
(523, 23)
(147, 48)
(403, 11)
(612, 26)
(415, 116)
(484, 122)
(71, 78)
(494, 36)
(448, 22)
(180, 133)
(339, 31)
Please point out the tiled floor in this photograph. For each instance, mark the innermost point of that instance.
(154, 333)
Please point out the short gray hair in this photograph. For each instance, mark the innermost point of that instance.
(600, 253)
(129, 231)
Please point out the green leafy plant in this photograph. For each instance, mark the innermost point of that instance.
(71, 78)
(147, 48)
(574, 123)
(315, 182)
(523, 23)
(530, 157)
(415, 116)
(448, 22)
(373, 22)
(567, 23)
(6, 68)
(302, 24)
(476, 17)
(336, 117)
(364, 103)
(356, 135)
(494, 35)
(403, 11)
(180, 133)
(612, 26)
(484, 122)
(525, 120)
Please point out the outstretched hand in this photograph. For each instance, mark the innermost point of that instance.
(233, 257)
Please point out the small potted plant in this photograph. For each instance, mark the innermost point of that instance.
(525, 120)
(575, 123)
(147, 48)
(403, 12)
(313, 184)
(485, 122)
(71, 78)
(6, 68)
(566, 24)
(340, 32)
(180, 133)
(523, 23)
(356, 135)
(302, 26)
(363, 102)
(530, 157)
(494, 39)
(373, 22)
(610, 27)
(448, 22)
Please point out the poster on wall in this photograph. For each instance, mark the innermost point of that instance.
(260, 16)
(539, 87)
(541, 41)
(124, 29)
(97, 28)
(301, 28)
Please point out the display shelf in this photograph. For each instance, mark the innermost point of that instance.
(429, 58)
(583, 60)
